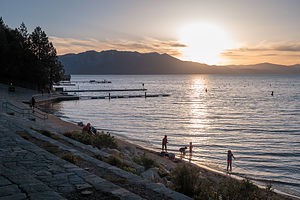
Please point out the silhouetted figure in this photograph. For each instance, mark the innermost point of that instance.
(272, 93)
(164, 143)
(229, 159)
(191, 147)
(205, 89)
(182, 150)
(32, 103)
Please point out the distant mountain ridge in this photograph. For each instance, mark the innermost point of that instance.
(128, 62)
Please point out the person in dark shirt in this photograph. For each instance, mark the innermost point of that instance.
(164, 143)
(229, 159)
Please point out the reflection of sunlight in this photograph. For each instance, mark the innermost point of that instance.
(197, 106)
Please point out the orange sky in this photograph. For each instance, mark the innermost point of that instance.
(213, 32)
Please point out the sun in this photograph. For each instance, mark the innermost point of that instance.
(204, 43)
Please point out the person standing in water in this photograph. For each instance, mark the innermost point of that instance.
(229, 160)
(164, 143)
(191, 147)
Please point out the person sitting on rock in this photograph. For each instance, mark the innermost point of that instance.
(93, 130)
(87, 129)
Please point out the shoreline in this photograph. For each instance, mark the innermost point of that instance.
(61, 126)
(210, 172)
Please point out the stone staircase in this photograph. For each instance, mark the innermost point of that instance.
(29, 172)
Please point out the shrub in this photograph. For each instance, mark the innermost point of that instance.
(115, 161)
(98, 140)
(184, 178)
(70, 158)
(144, 161)
(104, 140)
(147, 162)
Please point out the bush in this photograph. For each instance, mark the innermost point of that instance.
(185, 179)
(116, 161)
(98, 140)
(104, 140)
(144, 161)
(70, 158)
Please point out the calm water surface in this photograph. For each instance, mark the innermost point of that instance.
(237, 113)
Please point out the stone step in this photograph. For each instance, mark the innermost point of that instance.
(38, 173)
(158, 190)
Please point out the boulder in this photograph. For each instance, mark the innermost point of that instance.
(111, 151)
(131, 149)
(151, 174)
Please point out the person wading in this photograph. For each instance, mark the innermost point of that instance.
(164, 143)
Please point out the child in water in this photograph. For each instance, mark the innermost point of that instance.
(182, 150)
(229, 160)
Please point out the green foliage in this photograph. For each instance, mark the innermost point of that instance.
(184, 178)
(28, 59)
(98, 140)
(104, 140)
(70, 158)
(116, 161)
(187, 181)
(145, 161)
(48, 134)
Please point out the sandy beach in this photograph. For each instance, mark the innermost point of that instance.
(55, 124)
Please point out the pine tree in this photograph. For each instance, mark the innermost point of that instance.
(48, 65)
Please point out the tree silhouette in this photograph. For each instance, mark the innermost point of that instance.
(28, 59)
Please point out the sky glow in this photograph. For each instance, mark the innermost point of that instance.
(213, 32)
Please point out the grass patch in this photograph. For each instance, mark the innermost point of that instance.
(70, 158)
(116, 161)
(46, 133)
(52, 148)
(145, 161)
(99, 140)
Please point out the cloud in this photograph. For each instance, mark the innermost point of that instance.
(72, 45)
(287, 53)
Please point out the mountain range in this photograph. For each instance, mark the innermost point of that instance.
(128, 62)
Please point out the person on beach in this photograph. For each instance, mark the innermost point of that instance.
(191, 147)
(182, 150)
(32, 103)
(164, 143)
(229, 159)
(87, 129)
(94, 130)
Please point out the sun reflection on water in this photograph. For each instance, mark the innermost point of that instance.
(197, 112)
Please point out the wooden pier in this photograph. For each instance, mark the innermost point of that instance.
(128, 96)
(107, 90)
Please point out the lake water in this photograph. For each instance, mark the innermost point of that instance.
(237, 112)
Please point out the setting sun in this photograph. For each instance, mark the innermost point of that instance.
(204, 43)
